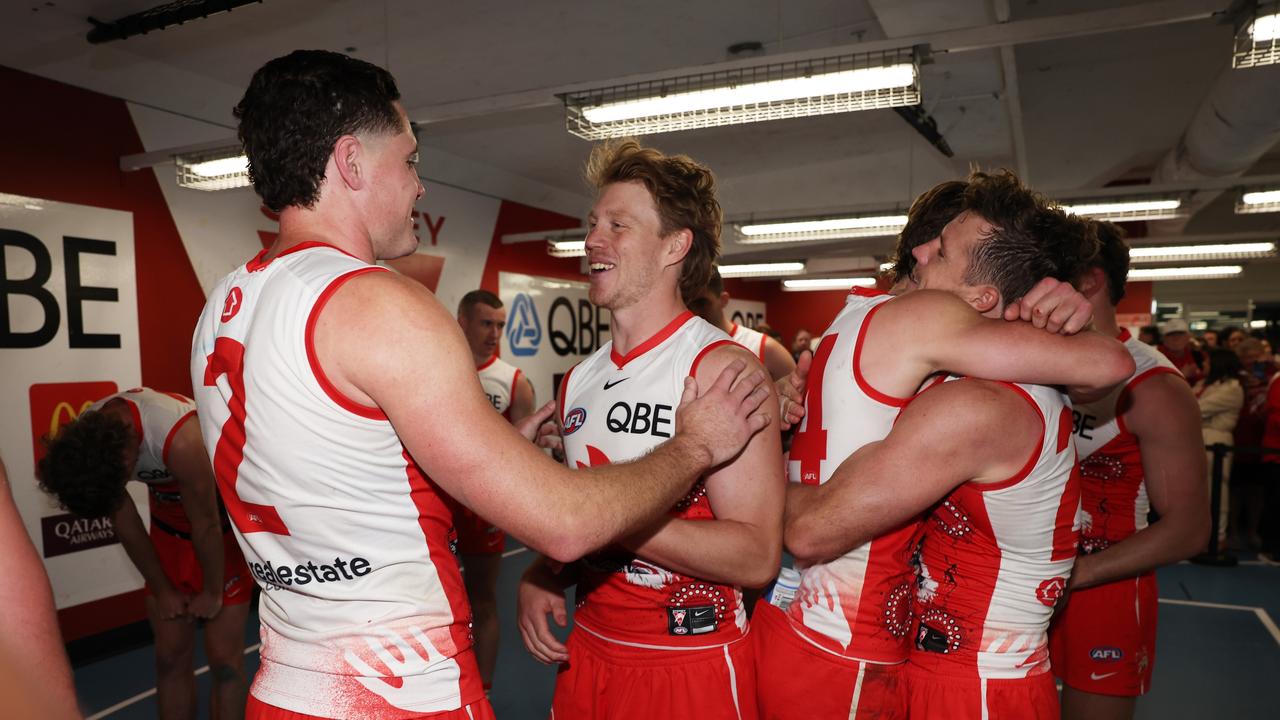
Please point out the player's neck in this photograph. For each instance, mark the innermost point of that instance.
(324, 225)
(642, 320)
(481, 360)
(1104, 319)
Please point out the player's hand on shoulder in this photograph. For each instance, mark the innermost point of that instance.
(724, 417)
(1052, 305)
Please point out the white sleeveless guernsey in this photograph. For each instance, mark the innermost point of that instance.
(363, 610)
(499, 378)
(749, 338)
(616, 408)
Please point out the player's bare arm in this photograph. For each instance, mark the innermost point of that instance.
(541, 595)
(522, 400)
(926, 331)
(743, 545)
(509, 481)
(777, 360)
(194, 474)
(170, 604)
(1164, 416)
(961, 431)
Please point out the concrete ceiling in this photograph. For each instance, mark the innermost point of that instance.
(1074, 113)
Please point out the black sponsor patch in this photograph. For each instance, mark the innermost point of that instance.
(691, 620)
(931, 640)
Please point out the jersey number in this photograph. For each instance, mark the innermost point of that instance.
(809, 445)
(228, 359)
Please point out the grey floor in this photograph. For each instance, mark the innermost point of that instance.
(1218, 656)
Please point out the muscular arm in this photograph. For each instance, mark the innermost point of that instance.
(925, 331)
(137, 545)
(507, 479)
(30, 638)
(194, 475)
(522, 400)
(1164, 416)
(967, 430)
(743, 545)
(777, 360)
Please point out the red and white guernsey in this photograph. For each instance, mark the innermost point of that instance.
(1114, 501)
(857, 605)
(363, 610)
(157, 417)
(499, 378)
(617, 408)
(749, 338)
(995, 558)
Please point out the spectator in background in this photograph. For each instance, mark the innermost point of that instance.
(802, 341)
(1149, 335)
(1249, 471)
(1209, 339)
(1175, 343)
(1220, 397)
(1234, 336)
(767, 329)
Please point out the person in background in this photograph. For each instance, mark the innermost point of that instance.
(1209, 339)
(1149, 335)
(1220, 397)
(1234, 336)
(710, 306)
(801, 342)
(767, 329)
(1249, 469)
(1175, 343)
(1271, 461)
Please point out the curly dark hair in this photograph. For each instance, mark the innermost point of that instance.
(684, 192)
(296, 108)
(1224, 365)
(1030, 238)
(1113, 257)
(929, 213)
(84, 468)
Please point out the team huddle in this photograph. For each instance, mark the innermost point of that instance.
(973, 455)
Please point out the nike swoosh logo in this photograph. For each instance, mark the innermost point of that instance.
(608, 384)
(1096, 676)
(700, 613)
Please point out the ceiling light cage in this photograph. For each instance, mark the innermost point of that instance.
(1207, 272)
(1127, 209)
(1257, 41)
(766, 92)
(829, 228)
(762, 270)
(1145, 254)
(1258, 201)
(221, 169)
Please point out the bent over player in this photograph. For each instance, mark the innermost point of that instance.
(189, 559)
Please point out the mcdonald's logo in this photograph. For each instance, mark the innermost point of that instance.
(56, 404)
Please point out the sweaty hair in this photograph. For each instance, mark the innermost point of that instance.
(1113, 257)
(296, 108)
(478, 297)
(929, 213)
(1029, 239)
(684, 193)
(1223, 365)
(716, 283)
(84, 467)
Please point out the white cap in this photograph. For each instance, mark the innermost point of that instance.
(1175, 325)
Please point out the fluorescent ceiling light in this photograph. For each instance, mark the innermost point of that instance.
(841, 283)
(213, 170)
(1257, 323)
(1257, 42)
(752, 94)
(1209, 272)
(1258, 201)
(824, 229)
(887, 266)
(1126, 210)
(566, 248)
(1221, 251)
(774, 269)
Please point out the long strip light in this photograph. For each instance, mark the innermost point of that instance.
(729, 97)
(1127, 210)
(823, 229)
(773, 269)
(567, 248)
(1257, 42)
(840, 283)
(1221, 251)
(1258, 201)
(1208, 272)
(213, 170)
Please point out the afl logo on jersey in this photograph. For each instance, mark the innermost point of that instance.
(574, 419)
(1106, 654)
(232, 305)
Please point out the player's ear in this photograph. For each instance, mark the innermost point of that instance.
(984, 298)
(678, 244)
(347, 158)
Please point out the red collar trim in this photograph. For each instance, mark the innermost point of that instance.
(492, 359)
(651, 343)
(866, 291)
(733, 329)
(1123, 335)
(259, 261)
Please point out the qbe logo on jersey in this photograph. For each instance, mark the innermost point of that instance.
(524, 329)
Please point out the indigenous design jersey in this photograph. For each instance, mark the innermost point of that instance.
(749, 338)
(1114, 500)
(857, 605)
(499, 378)
(616, 409)
(157, 417)
(363, 610)
(995, 558)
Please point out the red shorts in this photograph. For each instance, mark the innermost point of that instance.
(255, 709)
(801, 680)
(476, 536)
(1104, 641)
(940, 697)
(178, 560)
(607, 680)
